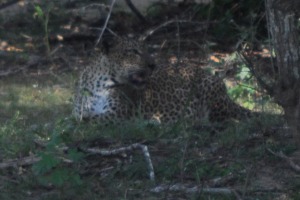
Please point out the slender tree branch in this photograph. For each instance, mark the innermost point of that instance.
(19, 162)
(135, 11)
(281, 155)
(167, 23)
(106, 21)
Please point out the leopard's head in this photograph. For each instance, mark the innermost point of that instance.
(131, 63)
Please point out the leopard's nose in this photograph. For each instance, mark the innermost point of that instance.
(138, 79)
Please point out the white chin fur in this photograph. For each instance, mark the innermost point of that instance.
(98, 104)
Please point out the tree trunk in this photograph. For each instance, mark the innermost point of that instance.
(282, 22)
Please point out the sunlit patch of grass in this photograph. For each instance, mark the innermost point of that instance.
(245, 90)
(28, 103)
(15, 140)
(36, 99)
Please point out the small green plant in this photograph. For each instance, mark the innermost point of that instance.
(53, 167)
(245, 88)
(43, 17)
(14, 139)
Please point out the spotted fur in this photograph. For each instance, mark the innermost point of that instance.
(125, 84)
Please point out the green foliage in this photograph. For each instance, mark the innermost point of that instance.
(246, 90)
(13, 139)
(296, 195)
(43, 17)
(52, 168)
(39, 12)
(47, 162)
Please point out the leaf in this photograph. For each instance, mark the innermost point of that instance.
(47, 162)
(39, 12)
(76, 179)
(74, 155)
(59, 176)
(244, 74)
(54, 142)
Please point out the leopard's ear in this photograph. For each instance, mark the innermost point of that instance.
(107, 44)
(108, 41)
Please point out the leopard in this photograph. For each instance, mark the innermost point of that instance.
(127, 83)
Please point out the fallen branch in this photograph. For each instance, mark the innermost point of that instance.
(30, 160)
(19, 162)
(10, 71)
(219, 181)
(194, 189)
(103, 152)
(179, 187)
(144, 148)
(281, 155)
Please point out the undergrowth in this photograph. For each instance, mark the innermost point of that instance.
(40, 110)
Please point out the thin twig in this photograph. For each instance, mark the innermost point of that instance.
(19, 162)
(144, 148)
(178, 42)
(271, 42)
(219, 181)
(108, 29)
(106, 21)
(293, 165)
(247, 181)
(181, 164)
(29, 160)
(253, 71)
(11, 71)
(135, 11)
(179, 187)
(96, 4)
(152, 31)
(194, 189)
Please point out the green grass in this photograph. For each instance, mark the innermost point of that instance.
(39, 107)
